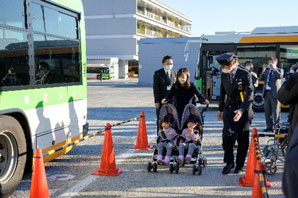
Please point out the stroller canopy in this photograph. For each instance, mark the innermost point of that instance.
(169, 109)
(190, 110)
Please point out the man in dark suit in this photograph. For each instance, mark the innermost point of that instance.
(163, 80)
(290, 179)
(235, 109)
(288, 94)
(271, 76)
(45, 76)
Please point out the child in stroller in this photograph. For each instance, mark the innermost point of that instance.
(190, 140)
(166, 140)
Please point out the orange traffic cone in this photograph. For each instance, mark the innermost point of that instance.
(39, 184)
(142, 140)
(108, 163)
(257, 185)
(248, 179)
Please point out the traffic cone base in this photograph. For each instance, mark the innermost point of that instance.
(268, 184)
(248, 179)
(142, 147)
(142, 139)
(108, 163)
(246, 182)
(114, 172)
(39, 184)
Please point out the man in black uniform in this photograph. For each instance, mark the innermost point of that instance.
(235, 109)
(163, 80)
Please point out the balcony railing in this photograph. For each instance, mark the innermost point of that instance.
(161, 19)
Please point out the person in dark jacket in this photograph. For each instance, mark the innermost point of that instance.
(235, 109)
(290, 176)
(184, 92)
(288, 94)
(163, 80)
(271, 76)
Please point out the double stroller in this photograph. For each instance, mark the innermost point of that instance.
(198, 161)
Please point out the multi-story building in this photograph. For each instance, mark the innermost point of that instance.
(114, 28)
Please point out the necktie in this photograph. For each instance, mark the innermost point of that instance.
(169, 79)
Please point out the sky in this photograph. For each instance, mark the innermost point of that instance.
(210, 16)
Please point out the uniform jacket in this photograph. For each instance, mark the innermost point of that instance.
(288, 94)
(275, 81)
(160, 83)
(230, 93)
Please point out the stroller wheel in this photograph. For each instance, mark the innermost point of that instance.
(204, 162)
(270, 168)
(149, 166)
(171, 168)
(200, 170)
(177, 168)
(154, 167)
(200, 161)
(194, 169)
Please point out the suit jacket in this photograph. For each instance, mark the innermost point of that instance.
(160, 83)
(288, 94)
(290, 182)
(275, 81)
(230, 92)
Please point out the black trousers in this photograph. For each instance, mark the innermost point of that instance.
(235, 131)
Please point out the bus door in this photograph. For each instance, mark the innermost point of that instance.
(212, 69)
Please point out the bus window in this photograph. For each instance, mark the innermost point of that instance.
(258, 54)
(62, 56)
(55, 51)
(14, 67)
(288, 57)
(12, 13)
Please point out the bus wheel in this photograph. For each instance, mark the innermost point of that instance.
(98, 77)
(13, 154)
(258, 102)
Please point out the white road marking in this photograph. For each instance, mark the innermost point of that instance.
(61, 177)
(74, 191)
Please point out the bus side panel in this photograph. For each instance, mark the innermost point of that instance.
(66, 122)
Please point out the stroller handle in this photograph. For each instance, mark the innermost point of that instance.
(205, 109)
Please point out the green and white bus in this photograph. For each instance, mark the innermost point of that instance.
(99, 72)
(43, 90)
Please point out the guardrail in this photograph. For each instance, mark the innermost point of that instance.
(88, 136)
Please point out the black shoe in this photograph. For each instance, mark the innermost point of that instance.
(267, 130)
(238, 169)
(227, 169)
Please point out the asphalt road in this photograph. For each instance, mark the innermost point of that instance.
(115, 101)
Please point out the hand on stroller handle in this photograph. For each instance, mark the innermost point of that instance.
(164, 101)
